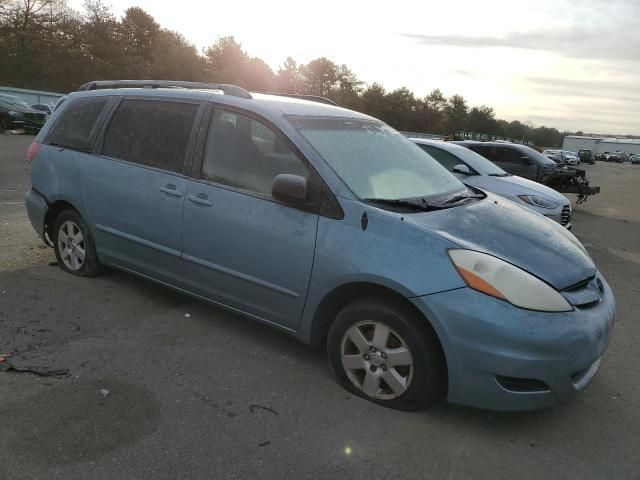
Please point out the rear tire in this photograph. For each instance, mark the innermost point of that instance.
(382, 350)
(74, 246)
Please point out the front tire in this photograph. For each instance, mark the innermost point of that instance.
(383, 351)
(74, 246)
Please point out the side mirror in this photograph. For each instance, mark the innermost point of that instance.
(462, 168)
(289, 188)
(525, 160)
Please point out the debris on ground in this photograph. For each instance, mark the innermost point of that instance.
(264, 444)
(6, 366)
(254, 407)
(104, 392)
(187, 315)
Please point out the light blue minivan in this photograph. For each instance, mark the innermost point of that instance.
(329, 225)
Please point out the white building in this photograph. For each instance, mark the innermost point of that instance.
(601, 144)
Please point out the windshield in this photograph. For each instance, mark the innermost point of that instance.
(536, 155)
(375, 161)
(13, 101)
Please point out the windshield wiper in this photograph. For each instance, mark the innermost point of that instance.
(499, 174)
(420, 204)
(461, 197)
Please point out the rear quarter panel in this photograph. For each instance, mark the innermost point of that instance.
(56, 173)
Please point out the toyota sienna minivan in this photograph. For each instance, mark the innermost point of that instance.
(329, 225)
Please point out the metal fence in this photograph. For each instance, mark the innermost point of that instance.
(32, 96)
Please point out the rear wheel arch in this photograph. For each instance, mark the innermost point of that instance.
(55, 209)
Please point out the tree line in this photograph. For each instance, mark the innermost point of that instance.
(46, 45)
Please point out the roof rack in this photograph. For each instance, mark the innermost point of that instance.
(227, 89)
(312, 98)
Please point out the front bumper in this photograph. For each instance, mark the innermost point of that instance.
(486, 340)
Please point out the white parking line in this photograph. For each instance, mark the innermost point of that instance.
(12, 203)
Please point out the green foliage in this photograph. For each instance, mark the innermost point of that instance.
(46, 45)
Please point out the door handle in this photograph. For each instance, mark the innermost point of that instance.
(200, 199)
(170, 189)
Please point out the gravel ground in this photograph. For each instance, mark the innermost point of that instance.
(154, 393)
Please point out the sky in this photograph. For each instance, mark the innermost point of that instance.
(569, 64)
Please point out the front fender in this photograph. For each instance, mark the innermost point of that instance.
(388, 252)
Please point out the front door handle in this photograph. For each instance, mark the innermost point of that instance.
(170, 189)
(200, 199)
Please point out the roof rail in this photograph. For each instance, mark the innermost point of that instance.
(311, 98)
(227, 89)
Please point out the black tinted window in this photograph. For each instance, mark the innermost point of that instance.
(150, 132)
(75, 126)
(444, 158)
(244, 153)
(485, 151)
(508, 155)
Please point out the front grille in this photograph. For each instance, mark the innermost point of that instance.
(565, 216)
(35, 117)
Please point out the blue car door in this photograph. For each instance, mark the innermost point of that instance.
(241, 247)
(134, 187)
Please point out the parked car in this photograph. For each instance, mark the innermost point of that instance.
(615, 157)
(555, 155)
(526, 162)
(571, 158)
(473, 169)
(329, 225)
(562, 157)
(587, 156)
(635, 159)
(15, 113)
(43, 108)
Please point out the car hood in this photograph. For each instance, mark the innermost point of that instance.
(515, 185)
(518, 235)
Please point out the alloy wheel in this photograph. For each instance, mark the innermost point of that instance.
(377, 360)
(71, 245)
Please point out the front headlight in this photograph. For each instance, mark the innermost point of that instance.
(492, 276)
(538, 201)
(16, 114)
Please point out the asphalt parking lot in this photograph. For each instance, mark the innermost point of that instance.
(161, 386)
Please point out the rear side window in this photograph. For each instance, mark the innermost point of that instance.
(444, 158)
(154, 133)
(508, 155)
(484, 150)
(76, 126)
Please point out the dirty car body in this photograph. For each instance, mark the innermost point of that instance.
(339, 220)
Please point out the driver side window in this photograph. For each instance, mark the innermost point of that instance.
(245, 153)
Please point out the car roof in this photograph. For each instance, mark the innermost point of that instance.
(489, 144)
(271, 106)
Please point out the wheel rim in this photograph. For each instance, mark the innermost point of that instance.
(377, 360)
(71, 245)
